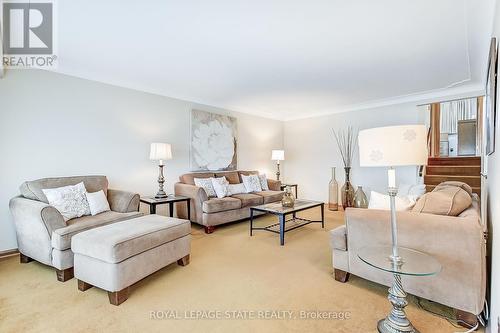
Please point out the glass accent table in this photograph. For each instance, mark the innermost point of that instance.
(414, 263)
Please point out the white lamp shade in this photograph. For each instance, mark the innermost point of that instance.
(278, 155)
(160, 151)
(393, 146)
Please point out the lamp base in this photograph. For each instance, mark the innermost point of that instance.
(161, 195)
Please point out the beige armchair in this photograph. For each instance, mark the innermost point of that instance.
(42, 233)
(457, 242)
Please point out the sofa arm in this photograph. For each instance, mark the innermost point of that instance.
(34, 222)
(274, 185)
(122, 201)
(197, 196)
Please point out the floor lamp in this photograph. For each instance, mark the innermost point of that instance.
(392, 147)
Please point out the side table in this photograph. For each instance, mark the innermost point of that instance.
(296, 186)
(413, 263)
(170, 200)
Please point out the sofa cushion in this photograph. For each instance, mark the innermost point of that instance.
(188, 178)
(231, 176)
(249, 199)
(462, 185)
(116, 242)
(33, 189)
(271, 196)
(338, 238)
(61, 238)
(447, 200)
(247, 173)
(215, 205)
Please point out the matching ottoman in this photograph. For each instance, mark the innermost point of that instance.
(115, 256)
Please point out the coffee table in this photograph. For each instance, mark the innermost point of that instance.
(285, 225)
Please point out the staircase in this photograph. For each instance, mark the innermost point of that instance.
(463, 169)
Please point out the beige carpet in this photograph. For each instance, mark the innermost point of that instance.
(229, 271)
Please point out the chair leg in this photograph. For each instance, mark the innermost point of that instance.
(209, 229)
(340, 275)
(183, 261)
(65, 274)
(24, 259)
(118, 297)
(82, 285)
(465, 319)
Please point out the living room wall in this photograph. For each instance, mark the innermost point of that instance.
(493, 187)
(56, 125)
(311, 149)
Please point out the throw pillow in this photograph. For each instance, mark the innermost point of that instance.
(383, 202)
(206, 184)
(263, 182)
(98, 203)
(220, 186)
(70, 201)
(233, 189)
(252, 183)
(461, 185)
(446, 200)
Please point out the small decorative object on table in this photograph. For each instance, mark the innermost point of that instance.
(333, 192)
(295, 186)
(160, 152)
(346, 142)
(360, 199)
(278, 155)
(288, 199)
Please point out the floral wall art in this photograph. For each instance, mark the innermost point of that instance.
(213, 141)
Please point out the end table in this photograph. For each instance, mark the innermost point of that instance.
(170, 200)
(413, 263)
(296, 186)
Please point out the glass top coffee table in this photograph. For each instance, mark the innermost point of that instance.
(413, 263)
(292, 223)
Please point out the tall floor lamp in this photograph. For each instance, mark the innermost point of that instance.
(392, 147)
(160, 152)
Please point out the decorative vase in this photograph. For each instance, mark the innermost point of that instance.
(333, 193)
(347, 190)
(360, 199)
(288, 199)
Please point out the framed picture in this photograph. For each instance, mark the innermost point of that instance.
(213, 141)
(491, 98)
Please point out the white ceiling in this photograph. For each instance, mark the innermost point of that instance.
(283, 59)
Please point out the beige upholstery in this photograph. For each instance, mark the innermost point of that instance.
(462, 185)
(215, 205)
(456, 242)
(118, 255)
(61, 238)
(271, 196)
(33, 189)
(214, 211)
(231, 176)
(42, 233)
(188, 178)
(444, 200)
(249, 199)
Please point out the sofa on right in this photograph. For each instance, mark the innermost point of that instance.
(457, 242)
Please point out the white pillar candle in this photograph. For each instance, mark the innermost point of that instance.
(391, 174)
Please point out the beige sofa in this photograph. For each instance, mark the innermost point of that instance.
(457, 242)
(42, 233)
(211, 212)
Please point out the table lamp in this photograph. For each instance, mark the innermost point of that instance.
(391, 147)
(160, 152)
(278, 155)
